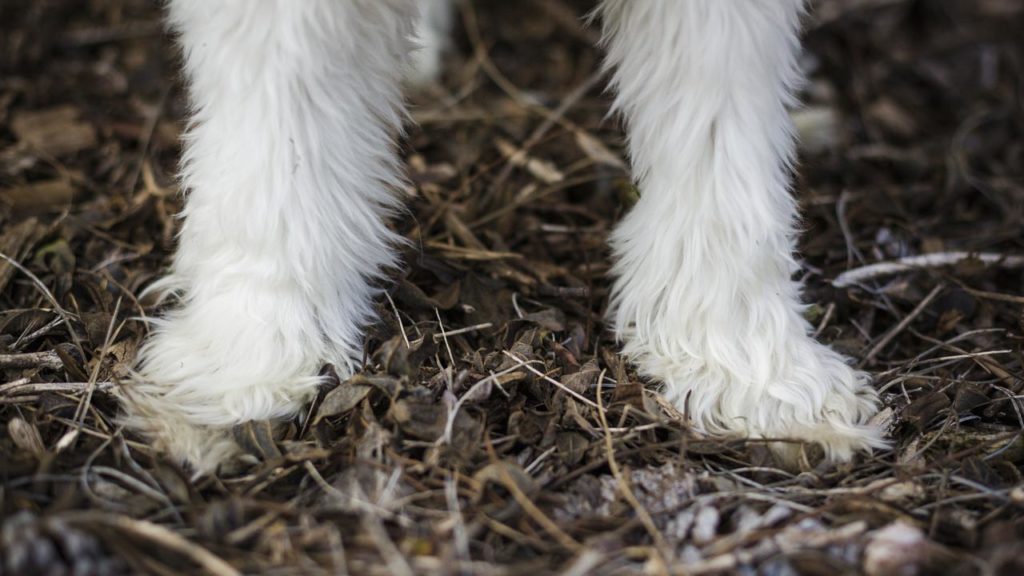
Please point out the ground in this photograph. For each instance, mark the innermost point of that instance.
(494, 430)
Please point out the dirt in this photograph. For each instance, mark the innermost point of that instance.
(493, 429)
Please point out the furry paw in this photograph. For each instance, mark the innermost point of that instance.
(240, 355)
(802, 392)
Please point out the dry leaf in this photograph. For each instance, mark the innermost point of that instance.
(342, 399)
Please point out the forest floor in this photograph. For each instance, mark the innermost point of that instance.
(494, 429)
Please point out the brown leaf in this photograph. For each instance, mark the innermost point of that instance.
(342, 399)
(549, 318)
(400, 359)
(968, 397)
(408, 294)
(572, 447)
(420, 418)
(527, 426)
(584, 379)
(257, 438)
(925, 409)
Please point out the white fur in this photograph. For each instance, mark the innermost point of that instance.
(703, 296)
(431, 39)
(289, 168)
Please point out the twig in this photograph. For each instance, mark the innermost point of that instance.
(851, 247)
(549, 526)
(398, 318)
(48, 360)
(547, 378)
(151, 123)
(461, 537)
(64, 314)
(108, 339)
(24, 386)
(156, 534)
(444, 337)
(936, 260)
(467, 329)
(469, 395)
(378, 534)
(888, 337)
(825, 319)
(585, 563)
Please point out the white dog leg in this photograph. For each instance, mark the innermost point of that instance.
(289, 169)
(704, 298)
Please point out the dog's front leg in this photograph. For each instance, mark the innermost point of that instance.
(289, 168)
(704, 298)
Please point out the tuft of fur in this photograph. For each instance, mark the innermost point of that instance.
(431, 41)
(703, 297)
(290, 171)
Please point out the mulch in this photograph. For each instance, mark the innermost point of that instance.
(494, 430)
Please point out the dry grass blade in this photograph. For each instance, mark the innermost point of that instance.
(158, 536)
(551, 380)
(661, 546)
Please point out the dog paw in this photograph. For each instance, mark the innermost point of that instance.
(215, 362)
(791, 393)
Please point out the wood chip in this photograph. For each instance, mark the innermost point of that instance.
(39, 197)
(55, 131)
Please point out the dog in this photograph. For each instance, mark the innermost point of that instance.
(290, 171)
